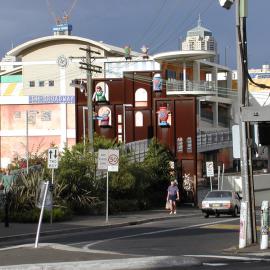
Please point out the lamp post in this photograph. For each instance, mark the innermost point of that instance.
(248, 235)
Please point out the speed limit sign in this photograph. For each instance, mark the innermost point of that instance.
(113, 160)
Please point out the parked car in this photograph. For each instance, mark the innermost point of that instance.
(219, 202)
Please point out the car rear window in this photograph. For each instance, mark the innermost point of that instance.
(219, 194)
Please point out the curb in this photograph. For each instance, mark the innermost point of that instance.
(130, 263)
(85, 229)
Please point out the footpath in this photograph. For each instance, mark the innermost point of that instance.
(62, 257)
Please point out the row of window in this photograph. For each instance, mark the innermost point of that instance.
(49, 83)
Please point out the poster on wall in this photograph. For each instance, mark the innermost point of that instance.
(157, 83)
(164, 117)
(101, 94)
(104, 117)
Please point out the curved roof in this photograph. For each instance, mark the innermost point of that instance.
(182, 56)
(109, 48)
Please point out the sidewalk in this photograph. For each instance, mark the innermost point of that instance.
(84, 223)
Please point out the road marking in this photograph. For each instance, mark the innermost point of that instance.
(152, 262)
(215, 264)
(235, 258)
(227, 227)
(155, 232)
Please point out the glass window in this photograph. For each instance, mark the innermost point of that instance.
(41, 83)
(32, 83)
(119, 118)
(141, 98)
(51, 83)
(138, 119)
(120, 138)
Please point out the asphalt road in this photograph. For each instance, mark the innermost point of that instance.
(197, 237)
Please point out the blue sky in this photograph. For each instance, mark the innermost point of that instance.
(160, 24)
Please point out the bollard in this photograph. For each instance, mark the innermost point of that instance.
(264, 224)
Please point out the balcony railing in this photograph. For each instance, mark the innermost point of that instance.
(202, 87)
(213, 140)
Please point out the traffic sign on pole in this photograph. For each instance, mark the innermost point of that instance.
(102, 159)
(113, 160)
(108, 160)
(209, 168)
(53, 158)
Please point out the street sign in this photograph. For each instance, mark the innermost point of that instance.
(209, 168)
(102, 159)
(53, 158)
(113, 160)
(108, 159)
(40, 196)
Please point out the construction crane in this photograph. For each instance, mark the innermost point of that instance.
(60, 19)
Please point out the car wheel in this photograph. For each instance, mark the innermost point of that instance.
(235, 211)
(206, 215)
(217, 215)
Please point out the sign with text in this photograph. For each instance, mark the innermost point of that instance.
(108, 159)
(53, 158)
(209, 168)
(102, 159)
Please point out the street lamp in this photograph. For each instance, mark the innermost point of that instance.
(244, 127)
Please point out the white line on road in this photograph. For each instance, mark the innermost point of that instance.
(238, 258)
(215, 264)
(157, 232)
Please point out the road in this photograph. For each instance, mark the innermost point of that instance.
(191, 236)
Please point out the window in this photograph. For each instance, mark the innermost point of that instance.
(119, 118)
(141, 98)
(32, 83)
(138, 119)
(41, 83)
(51, 83)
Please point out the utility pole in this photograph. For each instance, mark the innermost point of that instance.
(245, 128)
(90, 68)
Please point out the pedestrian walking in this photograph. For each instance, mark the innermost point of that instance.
(173, 196)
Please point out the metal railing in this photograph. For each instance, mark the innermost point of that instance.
(212, 140)
(137, 150)
(207, 87)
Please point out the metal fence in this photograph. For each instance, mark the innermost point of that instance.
(137, 150)
(211, 140)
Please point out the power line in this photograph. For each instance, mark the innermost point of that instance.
(156, 18)
(172, 33)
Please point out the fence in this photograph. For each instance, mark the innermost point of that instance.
(137, 150)
(211, 140)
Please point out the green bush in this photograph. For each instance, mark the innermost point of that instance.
(32, 216)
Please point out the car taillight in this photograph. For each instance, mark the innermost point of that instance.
(205, 204)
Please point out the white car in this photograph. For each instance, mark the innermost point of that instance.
(219, 202)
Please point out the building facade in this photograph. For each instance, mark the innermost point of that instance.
(35, 80)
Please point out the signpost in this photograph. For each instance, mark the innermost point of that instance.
(210, 171)
(53, 154)
(108, 160)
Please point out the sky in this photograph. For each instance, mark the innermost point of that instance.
(158, 24)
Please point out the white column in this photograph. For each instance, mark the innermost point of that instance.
(229, 80)
(185, 76)
(214, 77)
(196, 75)
(63, 108)
(198, 113)
(196, 71)
(215, 114)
